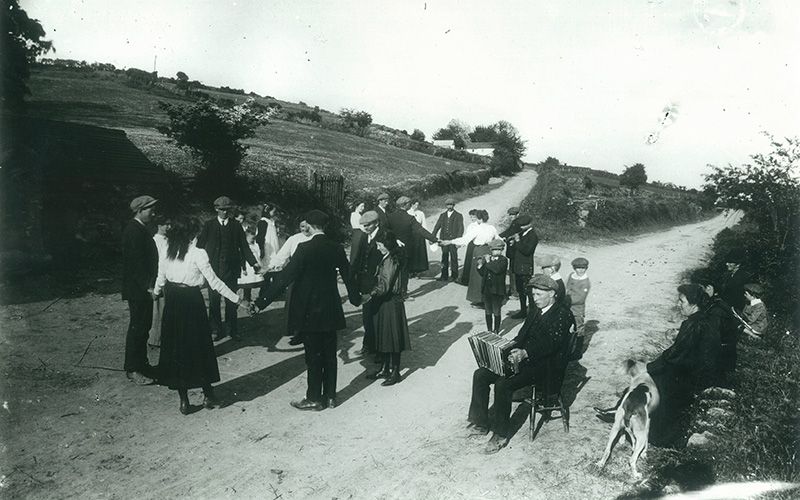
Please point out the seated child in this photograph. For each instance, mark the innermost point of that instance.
(492, 269)
(578, 286)
(550, 265)
(249, 278)
(755, 312)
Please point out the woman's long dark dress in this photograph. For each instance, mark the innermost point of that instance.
(391, 324)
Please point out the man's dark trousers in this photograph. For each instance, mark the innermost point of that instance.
(503, 392)
(141, 310)
(450, 259)
(520, 281)
(320, 353)
(231, 309)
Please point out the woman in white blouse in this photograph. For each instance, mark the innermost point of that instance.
(479, 234)
(187, 357)
(355, 215)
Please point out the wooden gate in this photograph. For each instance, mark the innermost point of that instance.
(329, 188)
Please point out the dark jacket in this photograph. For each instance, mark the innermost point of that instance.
(410, 232)
(546, 338)
(722, 320)
(732, 289)
(226, 247)
(451, 227)
(139, 261)
(494, 275)
(692, 359)
(316, 305)
(382, 216)
(511, 230)
(522, 262)
(364, 260)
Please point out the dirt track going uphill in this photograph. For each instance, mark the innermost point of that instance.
(85, 431)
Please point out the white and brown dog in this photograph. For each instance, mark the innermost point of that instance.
(633, 413)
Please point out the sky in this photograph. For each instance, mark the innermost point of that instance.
(673, 84)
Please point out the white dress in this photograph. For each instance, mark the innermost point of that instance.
(271, 243)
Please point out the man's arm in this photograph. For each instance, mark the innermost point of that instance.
(438, 225)
(202, 238)
(417, 229)
(244, 248)
(527, 245)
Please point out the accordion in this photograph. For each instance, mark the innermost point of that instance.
(491, 352)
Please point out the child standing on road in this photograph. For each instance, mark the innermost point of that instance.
(492, 269)
(578, 286)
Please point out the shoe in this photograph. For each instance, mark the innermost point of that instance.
(495, 444)
(209, 402)
(139, 378)
(520, 315)
(383, 373)
(296, 340)
(477, 430)
(184, 408)
(331, 403)
(394, 378)
(307, 405)
(442, 278)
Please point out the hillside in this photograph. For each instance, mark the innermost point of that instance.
(284, 147)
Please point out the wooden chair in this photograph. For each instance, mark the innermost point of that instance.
(546, 406)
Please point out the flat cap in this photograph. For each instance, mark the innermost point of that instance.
(497, 244)
(735, 256)
(580, 262)
(449, 201)
(755, 289)
(368, 216)
(142, 202)
(316, 218)
(223, 202)
(524, 220)
(402, 201)
(542, 282)
(549, 261)
(513, 211)
(383, 196)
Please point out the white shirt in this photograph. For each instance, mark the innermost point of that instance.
(161, 245)
(354, 218)
(419, 215)
(193, 270)
(478, 234)
(222, 222)
(280, 259)
(371, 235)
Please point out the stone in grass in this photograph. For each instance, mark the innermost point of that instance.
(718, 393)
(700, 440)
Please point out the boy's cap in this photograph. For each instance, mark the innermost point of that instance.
(524, 220)
(755, 289)
(368, 217)
(383, 196)
(580, 262)
(542, 282)
(513, 211)
(223, 203)
(402, 201)
(496, 244)
(317, 218)
(549, 261)
(142, 202)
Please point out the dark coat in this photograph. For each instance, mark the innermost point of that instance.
(382, 216)
(522, 262)
(139, 261)
(732, 289)
(364, 260)
(226, 247)
(692, 359)
(546, 338)
(316, 305)
(452, 227)
(722, 320)
(494, 276)
(408, 230)
(511, 230)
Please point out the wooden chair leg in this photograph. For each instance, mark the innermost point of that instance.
(564, 414)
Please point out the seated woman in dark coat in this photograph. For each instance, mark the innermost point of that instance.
(685, 368)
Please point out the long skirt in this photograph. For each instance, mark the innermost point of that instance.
(418, 255)
(187, 357)
(466, 273)
(474, 294)
(391, 325)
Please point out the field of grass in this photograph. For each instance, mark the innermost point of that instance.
(281, 147)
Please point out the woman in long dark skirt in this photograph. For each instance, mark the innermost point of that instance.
(466, 271)
(391, 324)
(480, 235)
(187, 359)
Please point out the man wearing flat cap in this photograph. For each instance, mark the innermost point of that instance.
(316, 308)
(226, 245)
(508, 236)
(383, 203)
(540, 354)
(524, 243)
(733, 281)
(449, 227)
(139, 270)
(408, 231)
(364, 260)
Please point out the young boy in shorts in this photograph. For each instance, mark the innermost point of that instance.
(578, 286)
(492, 269)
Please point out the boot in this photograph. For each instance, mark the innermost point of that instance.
(488, 322)
(184, 397)
(382, 373)
(394, 377)
(496, 324)
(209, 401)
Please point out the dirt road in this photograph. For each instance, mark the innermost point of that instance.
(71, 430)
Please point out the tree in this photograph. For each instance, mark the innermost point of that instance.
(633, 177)
(418, 135)
(457, 131)
(23, 43)
(212, 134)
(360, 120)
(508, 149)
(484, 133)
(588, 183)
(183, 81)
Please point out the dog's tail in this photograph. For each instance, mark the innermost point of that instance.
(636, 403)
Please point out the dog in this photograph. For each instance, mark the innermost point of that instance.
(633, 413)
